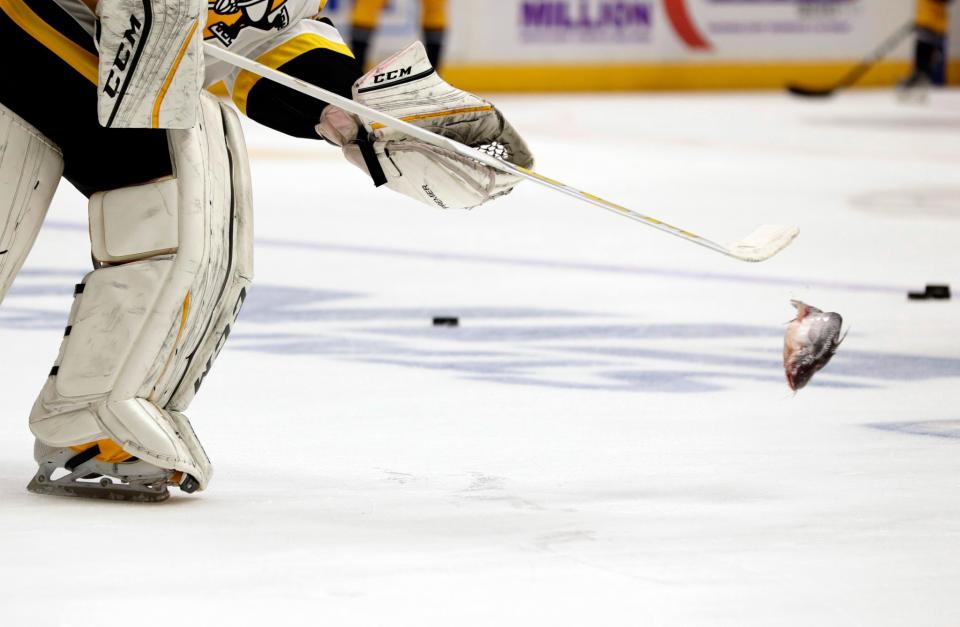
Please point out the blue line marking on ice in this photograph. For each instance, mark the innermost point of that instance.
(510, 345)
(553, 264)
(949, 429)
(892, 366)
(618, 331)
(852, 363)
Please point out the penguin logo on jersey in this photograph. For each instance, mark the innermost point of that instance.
(226, 18)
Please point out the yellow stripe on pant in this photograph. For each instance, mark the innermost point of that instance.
(73, 55)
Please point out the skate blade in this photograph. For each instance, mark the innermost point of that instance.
(130, 481)
(112, 492)
(99, 490)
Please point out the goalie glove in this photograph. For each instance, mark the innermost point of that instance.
(406, 86)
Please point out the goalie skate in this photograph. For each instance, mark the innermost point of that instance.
(66, 472)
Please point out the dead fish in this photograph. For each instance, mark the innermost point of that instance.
(810, 342)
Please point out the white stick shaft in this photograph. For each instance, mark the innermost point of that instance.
(426, 136)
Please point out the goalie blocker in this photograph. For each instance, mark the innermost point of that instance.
(408, 87)
(173, 262)
(150, 63)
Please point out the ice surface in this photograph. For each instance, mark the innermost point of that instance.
(607, 439)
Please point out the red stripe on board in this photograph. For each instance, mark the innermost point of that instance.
(680, 19)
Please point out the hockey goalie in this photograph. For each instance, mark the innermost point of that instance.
(111, 95)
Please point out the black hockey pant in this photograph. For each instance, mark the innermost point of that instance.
(49, 79)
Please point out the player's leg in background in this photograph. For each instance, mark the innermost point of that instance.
(434, 22)
(363, 24)
(172, 261)
(929, 50)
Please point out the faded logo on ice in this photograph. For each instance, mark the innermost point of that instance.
(596, 20)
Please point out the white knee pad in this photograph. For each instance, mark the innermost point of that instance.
(30, 169)
(175, 261)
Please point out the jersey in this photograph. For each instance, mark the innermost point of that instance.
(288, 35)
(932, 15)
(273, 32)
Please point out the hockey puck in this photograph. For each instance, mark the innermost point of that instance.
(446, 322)
(931, 292)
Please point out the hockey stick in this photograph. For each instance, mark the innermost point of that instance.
(858, 71)
(762, 244)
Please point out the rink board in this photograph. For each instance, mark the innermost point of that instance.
(537, 45)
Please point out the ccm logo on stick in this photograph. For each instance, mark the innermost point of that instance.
(393, 75)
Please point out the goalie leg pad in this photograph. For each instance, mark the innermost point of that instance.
(175, 261)
(30, 169)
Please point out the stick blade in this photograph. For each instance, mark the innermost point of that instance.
(765, 242)
(810, 92)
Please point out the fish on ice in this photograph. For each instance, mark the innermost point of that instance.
(811, 340)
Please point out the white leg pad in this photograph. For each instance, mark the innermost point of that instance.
(176, 261)
(30, 169)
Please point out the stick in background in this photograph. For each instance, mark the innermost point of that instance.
(859, 70)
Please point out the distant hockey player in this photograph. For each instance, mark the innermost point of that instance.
(366, 15)
(125, 120)
(930, 48)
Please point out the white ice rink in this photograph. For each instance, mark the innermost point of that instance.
(607, 439)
